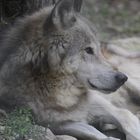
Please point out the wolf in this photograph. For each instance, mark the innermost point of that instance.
(51, 61)
(128, 96)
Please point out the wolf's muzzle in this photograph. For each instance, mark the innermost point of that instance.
(121, 78)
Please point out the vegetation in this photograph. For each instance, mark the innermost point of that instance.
(19, 123)
(114, 18)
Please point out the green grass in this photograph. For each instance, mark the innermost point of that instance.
(18, 124)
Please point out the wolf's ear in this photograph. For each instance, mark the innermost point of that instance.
(63, 14)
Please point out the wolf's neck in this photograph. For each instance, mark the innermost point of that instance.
(58, 91)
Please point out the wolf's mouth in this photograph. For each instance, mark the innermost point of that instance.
(92, 85)
(103, 89)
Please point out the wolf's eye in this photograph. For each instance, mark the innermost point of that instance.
(89, 50)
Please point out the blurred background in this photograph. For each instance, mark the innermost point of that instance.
(112, 18)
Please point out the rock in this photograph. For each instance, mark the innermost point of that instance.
(51, 136)
(65, 137)
(46, 134)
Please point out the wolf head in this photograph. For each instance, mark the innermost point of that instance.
(69, 47)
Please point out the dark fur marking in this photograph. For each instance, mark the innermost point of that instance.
(8, 45)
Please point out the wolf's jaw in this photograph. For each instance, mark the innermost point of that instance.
(106, 91)
(92, 85)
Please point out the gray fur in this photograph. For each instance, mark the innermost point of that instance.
(51, 66)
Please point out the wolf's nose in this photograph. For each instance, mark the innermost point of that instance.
(121, 78)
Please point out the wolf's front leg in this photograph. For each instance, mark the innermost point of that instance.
(109, 113)
(81, 130)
